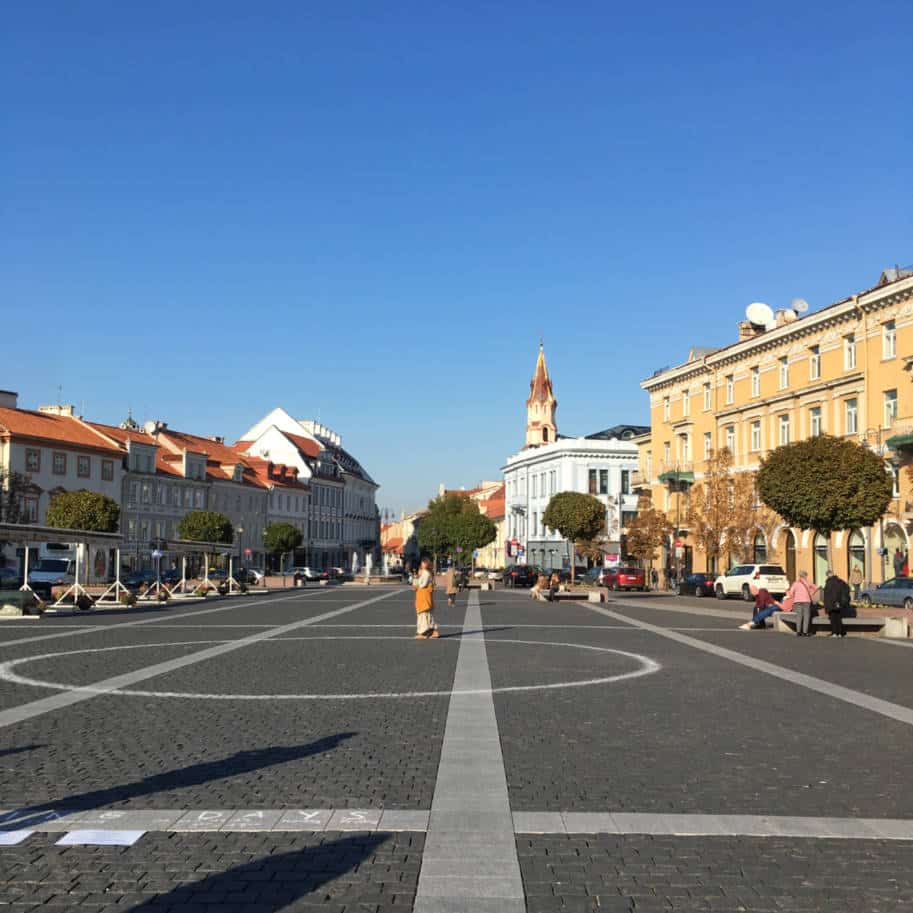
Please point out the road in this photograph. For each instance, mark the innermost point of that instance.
(303, 752)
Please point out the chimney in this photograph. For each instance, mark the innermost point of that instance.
(154, 426)
(217, 439)
(9, 399)
(748, 330)
(69, 410)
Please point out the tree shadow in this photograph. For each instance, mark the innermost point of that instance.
(276, 881)
(197, 774)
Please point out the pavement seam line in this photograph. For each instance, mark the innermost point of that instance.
(822, 686)
(32, 709)
(470, 862)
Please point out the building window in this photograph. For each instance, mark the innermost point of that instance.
(849, 352)
(755, 437)
(83, 467)
(665, 408)
(592, 482)
(604, 481)
(649, 466)
(706, 397)
(889, 340)
(28, 509)
(851, 416)
(895, 475)
(784, 429)
(667, 452)
(625, 482)
(107, 470)
(890, 407)
(59, 464)
(708, 444)
(198, 497)
(730, 439)
(535, 487)
(686, 403)
(684, 448)
(32, 460)
(814, 421)
(814, 362)
(131, 528)
(784, 372)
(730, 389)
(755, 381)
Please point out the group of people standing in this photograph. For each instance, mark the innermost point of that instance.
(802, 598)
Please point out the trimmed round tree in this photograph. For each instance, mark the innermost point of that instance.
(825, 483)
(206, 526)
(86, 510)
(281, 538)
(578, 517)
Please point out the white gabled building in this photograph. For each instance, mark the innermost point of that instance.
(599, 464)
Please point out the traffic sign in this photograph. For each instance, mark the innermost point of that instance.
(248, 552)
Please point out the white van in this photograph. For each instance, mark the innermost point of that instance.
(51, 572)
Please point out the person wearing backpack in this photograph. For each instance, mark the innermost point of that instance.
(802, 594)
(836, 600)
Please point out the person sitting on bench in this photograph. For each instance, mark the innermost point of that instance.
(764, 606)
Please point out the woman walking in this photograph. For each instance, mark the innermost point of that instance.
(802, 595)
(423, 584)
(452, 585)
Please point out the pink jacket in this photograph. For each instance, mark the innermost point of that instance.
(801, 591)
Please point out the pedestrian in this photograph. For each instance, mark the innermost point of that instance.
(554, 584)
(764, 606)
(654, 578)
(423, 583)
(898, 562)
(452, 584)
(905, 567)
(856, 581)
(836, 599)
(540, 589)
(802, 595)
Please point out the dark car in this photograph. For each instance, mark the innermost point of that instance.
(594, 576)
(520, 575)
(696, 585)
(10, 578)
(136, 580)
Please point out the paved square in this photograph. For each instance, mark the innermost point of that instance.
(302, 751)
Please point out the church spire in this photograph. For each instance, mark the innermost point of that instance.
(541, 405)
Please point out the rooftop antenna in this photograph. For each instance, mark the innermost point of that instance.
(761, 315)
(59, 394)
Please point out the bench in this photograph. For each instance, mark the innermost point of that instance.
(785, 623)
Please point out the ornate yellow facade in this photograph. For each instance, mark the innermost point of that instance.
(845, 370)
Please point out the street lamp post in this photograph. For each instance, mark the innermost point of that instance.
(240, 545)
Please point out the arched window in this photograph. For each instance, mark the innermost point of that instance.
(545, 435)
(821, 562)
(856, 554)
(760, 548)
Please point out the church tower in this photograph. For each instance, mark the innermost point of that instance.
(541, 406)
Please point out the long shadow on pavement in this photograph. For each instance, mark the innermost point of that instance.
(240, 763)
(270, 883)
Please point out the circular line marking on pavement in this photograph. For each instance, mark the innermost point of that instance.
(646, 666)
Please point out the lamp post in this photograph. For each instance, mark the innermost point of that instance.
(240, 532)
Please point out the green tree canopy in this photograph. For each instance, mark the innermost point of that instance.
(578, 517)
(281, 537)
(454, 521)
(205, 526)
(825, 483)
(85, 510)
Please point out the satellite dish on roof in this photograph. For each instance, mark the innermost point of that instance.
(799, 305)
(759, 314)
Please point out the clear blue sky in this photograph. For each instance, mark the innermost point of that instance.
(370, 212)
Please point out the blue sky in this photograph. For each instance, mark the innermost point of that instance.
(370, 212)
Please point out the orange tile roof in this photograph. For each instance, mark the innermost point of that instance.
(393, 545)
(59, 429)
(307, 447)
(260, 468)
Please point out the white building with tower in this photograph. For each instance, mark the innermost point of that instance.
(600, 464)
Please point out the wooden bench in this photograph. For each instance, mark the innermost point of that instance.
(785, 623)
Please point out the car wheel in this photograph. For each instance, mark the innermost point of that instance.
(678, 591)
(720, 592)
(908, 603)
(746, 592)
(865, 600)
(698, 591)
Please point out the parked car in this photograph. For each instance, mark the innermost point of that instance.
(739, 580)
(51, 572)
(898, 591)
(10, 578)
(249, 575)
(593, 577)
(625, 578)
(136, 580)
(310, 574)
(520, 575)
(696, 585)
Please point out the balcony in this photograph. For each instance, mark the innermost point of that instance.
(899, 436)
(639, 480)
(677, 472)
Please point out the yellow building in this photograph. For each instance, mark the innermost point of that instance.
(844, 370)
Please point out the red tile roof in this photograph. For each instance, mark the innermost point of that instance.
(393, 545)
(307, 447)
(261, 470)
(58, 429)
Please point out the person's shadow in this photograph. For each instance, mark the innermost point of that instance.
(273, 882)
(235, 765)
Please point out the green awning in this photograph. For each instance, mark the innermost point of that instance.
(676, 476)
(900, 441)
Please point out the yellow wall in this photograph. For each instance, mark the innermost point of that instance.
(730, 423)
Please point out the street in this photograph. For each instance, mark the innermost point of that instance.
(301, 751)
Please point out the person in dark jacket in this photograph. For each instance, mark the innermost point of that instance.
(836, 599)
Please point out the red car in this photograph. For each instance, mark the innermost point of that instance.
(624, 578)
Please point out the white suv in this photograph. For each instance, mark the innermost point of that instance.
(739, 580)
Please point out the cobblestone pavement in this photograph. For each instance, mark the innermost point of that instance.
(593, 715)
